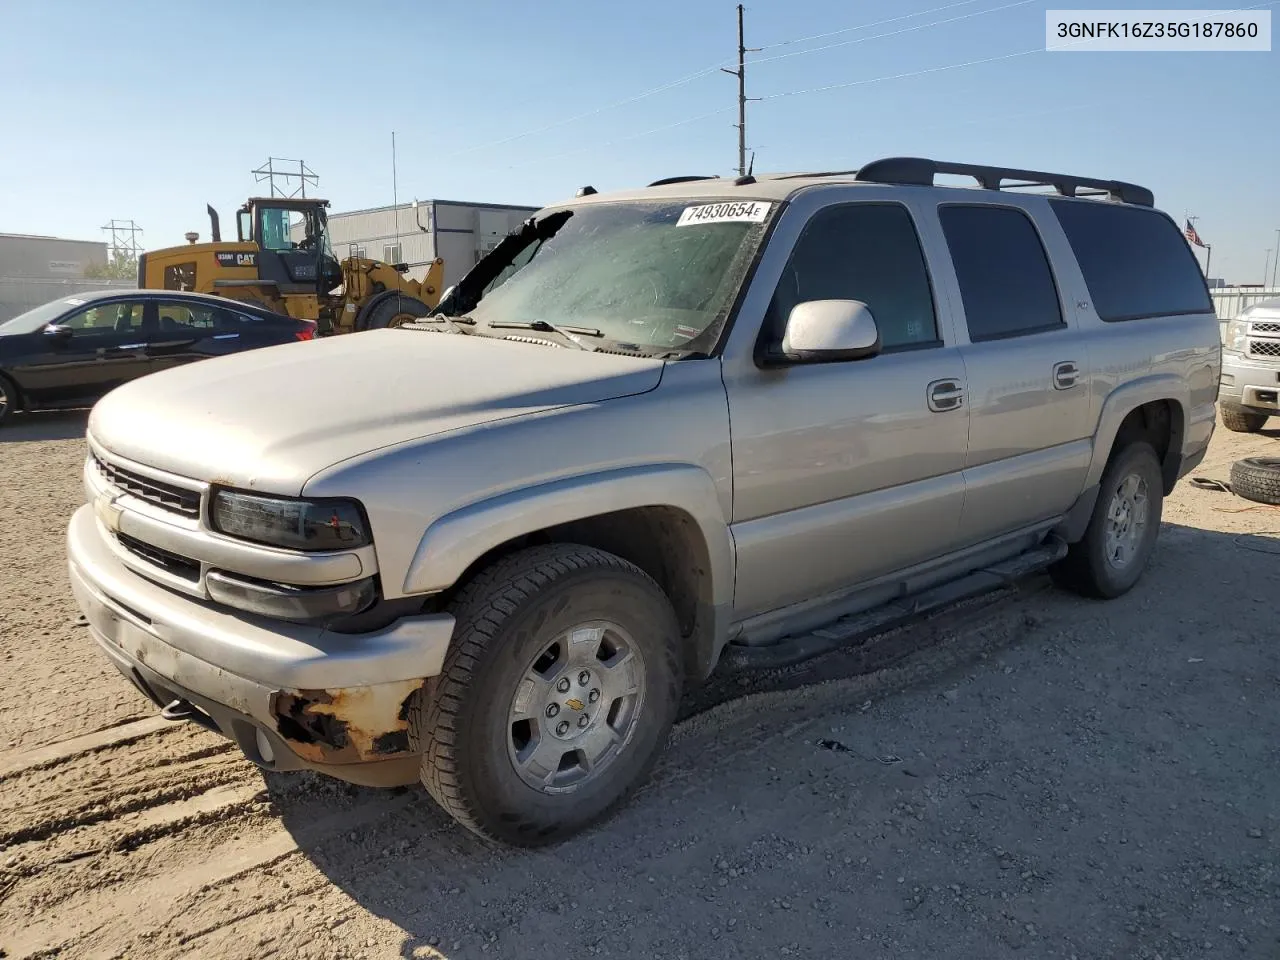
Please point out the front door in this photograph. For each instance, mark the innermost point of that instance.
(105, 347)
(843, 472)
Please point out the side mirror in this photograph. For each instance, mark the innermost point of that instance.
(829, 331)
(58, 333)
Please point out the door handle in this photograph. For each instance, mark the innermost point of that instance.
(1065, 375)
(945, 395)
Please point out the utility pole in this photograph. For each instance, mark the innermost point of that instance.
(1275, 267)
(270, 172)
(124, 239)
(741, 74)
(1265, 266)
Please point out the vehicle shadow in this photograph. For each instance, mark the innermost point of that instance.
(45, 425)
(746, 813)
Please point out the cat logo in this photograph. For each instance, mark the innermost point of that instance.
(237, 259)
(575, 703)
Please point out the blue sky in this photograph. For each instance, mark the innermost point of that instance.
(148, 110)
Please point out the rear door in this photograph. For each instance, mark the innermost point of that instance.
(104, 348)
(181, 332)
(1029, 422)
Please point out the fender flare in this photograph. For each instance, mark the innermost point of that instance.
(455, 541)
(1123, 401)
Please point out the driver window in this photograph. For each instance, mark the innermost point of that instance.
(868, 252)
(106, 318)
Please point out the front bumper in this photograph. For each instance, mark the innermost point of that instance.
(325, 701)
(1250, 383)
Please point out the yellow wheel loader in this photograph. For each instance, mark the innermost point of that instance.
(282, 260)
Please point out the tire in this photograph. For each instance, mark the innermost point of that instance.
(395, 310)
(1257, 479)
(8, 398)
(1090, 567)
(490, 768)
(1239, 420)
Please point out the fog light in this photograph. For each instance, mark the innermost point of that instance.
(264, 748)
(285, 602)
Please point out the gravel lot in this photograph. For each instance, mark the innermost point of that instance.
(1033, 776)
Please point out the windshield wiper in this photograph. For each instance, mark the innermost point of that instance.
(455, 322)
(570, 333)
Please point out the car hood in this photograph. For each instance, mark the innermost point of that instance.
(271, 418)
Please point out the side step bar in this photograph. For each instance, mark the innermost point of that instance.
(845, 630)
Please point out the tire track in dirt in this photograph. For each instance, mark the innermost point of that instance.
(171, 820)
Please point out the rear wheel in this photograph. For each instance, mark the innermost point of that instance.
(8, 397)
(1239, 420)
(557, 694)
(1122, 532)
(395, 310)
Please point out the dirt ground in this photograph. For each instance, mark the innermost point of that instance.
(1030, 776)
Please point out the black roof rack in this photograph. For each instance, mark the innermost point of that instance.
(917, 171)
(666, 180)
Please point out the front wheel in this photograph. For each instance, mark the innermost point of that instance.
(395, 310)
(1239, 420)
(1122, 532)
(557, 694)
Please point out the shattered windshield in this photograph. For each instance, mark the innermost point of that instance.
(653, 275)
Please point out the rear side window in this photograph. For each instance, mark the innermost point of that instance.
(1003, 272)
(868, 252)
(1134, 260)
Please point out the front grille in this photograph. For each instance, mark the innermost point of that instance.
(1264, 348)
(164, 495)
(1265, 327)
(173, 563)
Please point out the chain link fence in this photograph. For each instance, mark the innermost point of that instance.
(19, 294)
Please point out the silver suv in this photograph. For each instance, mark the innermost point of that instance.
(708, 421)
(1251, 368)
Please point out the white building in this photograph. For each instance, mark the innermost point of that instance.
(35, 270)
(459, 233)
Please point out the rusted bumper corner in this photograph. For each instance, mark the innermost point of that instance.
(346, 724)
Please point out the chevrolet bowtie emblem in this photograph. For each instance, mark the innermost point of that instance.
(575, 704)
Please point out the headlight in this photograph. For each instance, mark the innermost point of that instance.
(1237, 334)
(328, 524)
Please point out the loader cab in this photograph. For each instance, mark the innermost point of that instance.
(294, 251)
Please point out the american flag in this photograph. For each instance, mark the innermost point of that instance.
(1192, 236)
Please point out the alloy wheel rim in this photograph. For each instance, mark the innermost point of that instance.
(1127, 516)
(575, 707)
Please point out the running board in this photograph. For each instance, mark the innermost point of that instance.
(845, 630)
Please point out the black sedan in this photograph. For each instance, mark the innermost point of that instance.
(70, 352)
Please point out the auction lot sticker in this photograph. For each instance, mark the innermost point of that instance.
(732, 211)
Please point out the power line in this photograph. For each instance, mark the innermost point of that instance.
(903, 76)
(892, 33)
(716, 67)
(651, 92)
(793, 93)
(866, 26)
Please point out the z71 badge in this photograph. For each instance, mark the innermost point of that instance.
(237, 259)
